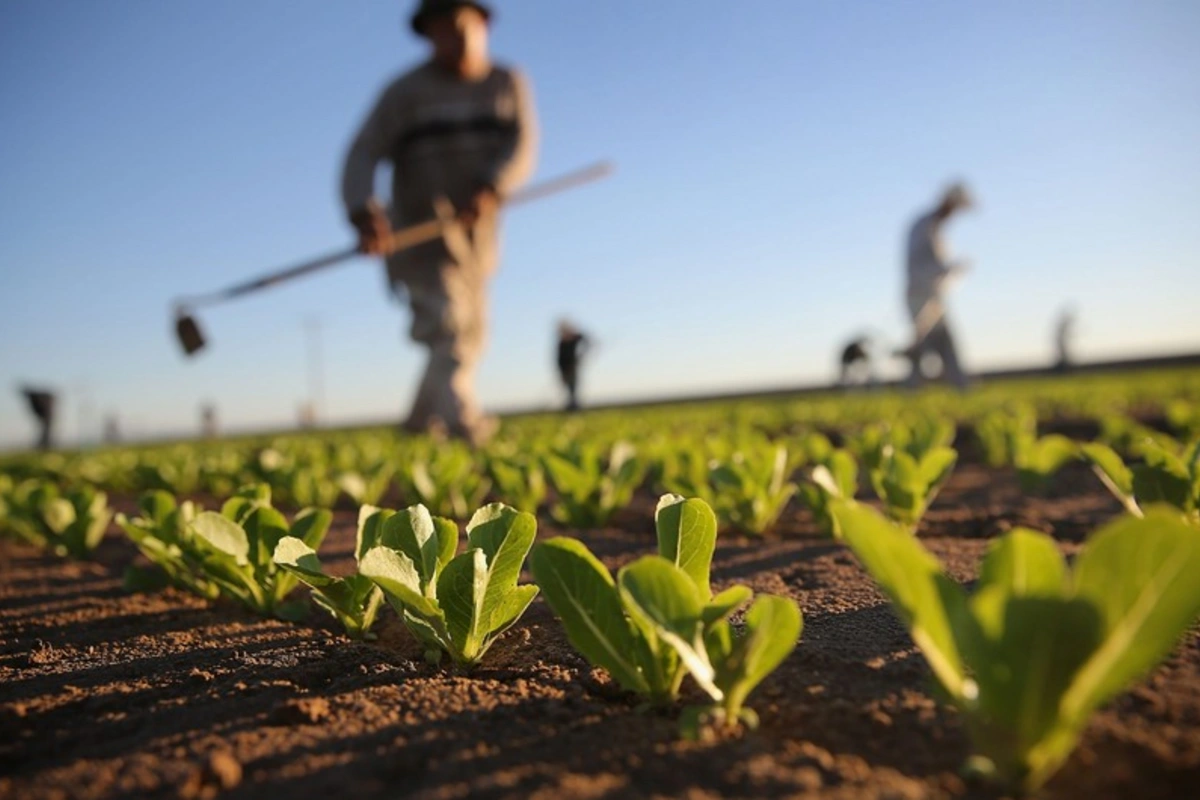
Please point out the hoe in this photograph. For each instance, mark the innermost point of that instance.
(191, 338)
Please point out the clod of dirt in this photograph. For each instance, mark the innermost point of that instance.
(222, 773)
(306, 711)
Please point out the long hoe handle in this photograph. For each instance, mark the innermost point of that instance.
(401, 240)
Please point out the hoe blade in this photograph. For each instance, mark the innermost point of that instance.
(191, 339)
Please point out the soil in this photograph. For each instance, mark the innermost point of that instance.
(106, 694)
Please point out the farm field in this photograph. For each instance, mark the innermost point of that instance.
(107, 693)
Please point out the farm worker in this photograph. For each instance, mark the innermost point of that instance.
(460, 133)
(41, 405)
(929, 274)
(572, 344)
(1064, 332)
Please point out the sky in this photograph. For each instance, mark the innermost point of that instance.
(770, 156)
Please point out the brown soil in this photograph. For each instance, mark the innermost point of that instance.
(104, 694)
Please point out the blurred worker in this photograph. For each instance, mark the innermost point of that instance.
(460, 133)
(572, 345)
(41, 405)
(208, 421)
(929, 274)
(856, 363)
(1064, 332)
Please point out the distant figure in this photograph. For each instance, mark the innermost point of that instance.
(856, 363)
(208, 421)
(112, 429)
(572, 345)
(41, 405)
(1064, 332)
(459, 132)
(929, 274)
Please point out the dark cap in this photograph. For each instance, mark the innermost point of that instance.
(428, 9)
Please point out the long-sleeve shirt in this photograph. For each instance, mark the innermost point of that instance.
(444, 137)
(928, 264)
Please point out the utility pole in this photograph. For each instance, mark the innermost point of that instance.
(316, 378)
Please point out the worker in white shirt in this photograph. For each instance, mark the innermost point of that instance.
(930, 272)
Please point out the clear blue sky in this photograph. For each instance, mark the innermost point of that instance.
(770, 156)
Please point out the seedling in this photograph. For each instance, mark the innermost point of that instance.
(836, 478)
(164, 535)
(658, 621)
(353, 600)
(457, 605)
(908, 486)
(70, 524)
(1036, 648)
(590, 488)
(236, 549)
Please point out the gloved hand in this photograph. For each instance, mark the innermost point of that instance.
(374, 230)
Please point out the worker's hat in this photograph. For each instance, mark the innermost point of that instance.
(428, 9)
(958, 196)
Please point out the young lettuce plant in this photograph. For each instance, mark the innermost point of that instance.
(353, 600)
(590, 488)
(1163, 477)
(520, 481)
(67, 524)
(1037, 648)
(907, 486)
(457, 605)
(164, 535)
(367, 486)
(447, 480)
(835, 479)
(1038, 459)
(658, 621)
(236, 549)
(751, 490)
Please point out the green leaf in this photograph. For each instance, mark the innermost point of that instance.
(773, 627)
(446, 531)
(505, 536)
(460, 591)
(223, 535)
(59, 514)
(725, 604)
(1024, 652)
(1024, 563)
(370, 528)
(395, 573)
(583, 595)
(923, 597)
(1113, 473)
(1141, 575)
(663, 599)
(687, 537)
(412, 532)
(295, 556)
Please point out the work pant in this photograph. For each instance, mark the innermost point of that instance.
(447, 292)
(937, 338)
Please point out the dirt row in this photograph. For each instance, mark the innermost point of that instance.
(105, 694)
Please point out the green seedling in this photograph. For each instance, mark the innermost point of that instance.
(1037, 648)
(352, 600)
(164, 535)
(908, 486)
(1162, 477)
(457, 605)
(67, 524)
(658, 621)
(589, 487)
(1038, 459)
(236, 547)
(751, 489)
(836, 478)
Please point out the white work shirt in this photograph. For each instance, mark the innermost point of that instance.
(928, 264)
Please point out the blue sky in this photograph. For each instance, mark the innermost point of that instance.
(770, 156)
